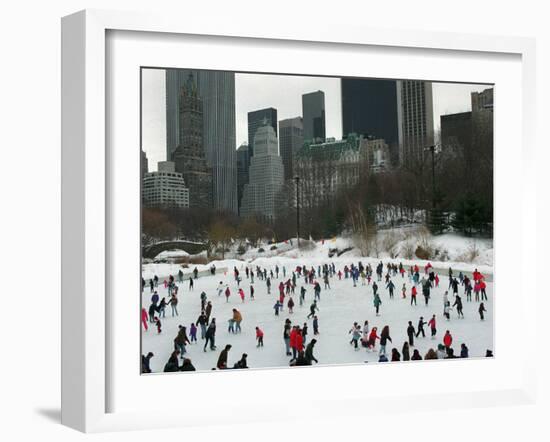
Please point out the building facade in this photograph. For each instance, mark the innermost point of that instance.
(416, 120)
(313, 114)
(243, 165)
(378, 153)
(257, 119)
(370, 108)
(164, 188)
(291, 139)
(189, 157)
(262, 195)
(144, 163)
(482, 100)
(325, 169)
(397, 111)
(217, 91)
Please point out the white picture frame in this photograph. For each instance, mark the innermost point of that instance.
(87, 220)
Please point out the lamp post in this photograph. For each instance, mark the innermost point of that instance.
(297, 179)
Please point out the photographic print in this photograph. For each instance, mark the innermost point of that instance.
(296, 221)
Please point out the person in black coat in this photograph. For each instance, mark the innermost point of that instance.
(242, 363)
(202, 322)
(384, 338)
(458, 303)
(406, 351)
(309, 352)
(420, 328)
(208, 311)
(482, 310)
(411, 333)
(450, 354)
(187, 365)
(210, 336)
(395, 355)
(152, 312)
(145, 363)
(426, 291)
(416, 356)
(454, 285)
(300, 361)
(222, 359)
(463, 351)
(172, 364)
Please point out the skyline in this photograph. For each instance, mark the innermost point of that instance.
(282, 92)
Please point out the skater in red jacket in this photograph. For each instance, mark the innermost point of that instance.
(144, 318)
(371, 343)
(413, 295)
(447, 340)
(259, 337)
(482, 287)
(296, 341)
(432, 325)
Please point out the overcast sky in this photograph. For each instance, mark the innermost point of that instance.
(284, 93)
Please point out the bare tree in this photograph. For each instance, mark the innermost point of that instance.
(221, 235)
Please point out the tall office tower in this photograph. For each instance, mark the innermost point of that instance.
(217, 91)
(291, 138)
(313, 113)
(144, 164)
(416, 116)
(256, 120)
(370, 108)
(482, 100)
(262, 196)
(243, 163)
(189, 157)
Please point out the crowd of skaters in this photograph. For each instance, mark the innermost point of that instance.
(295, 336)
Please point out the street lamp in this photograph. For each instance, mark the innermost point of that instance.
(297, 179)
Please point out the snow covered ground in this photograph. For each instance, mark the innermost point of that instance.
(339, 307)
(455, 248)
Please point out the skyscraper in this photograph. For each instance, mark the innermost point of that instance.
(243, 164)
(217, 92)
(189, 157)
(263, 194)
(369, 107)
(397, 111)
(144, 164)
(416, 116)
(291, 138)
(256, 119)
(313, 112)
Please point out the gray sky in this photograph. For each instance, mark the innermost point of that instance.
(284, 93)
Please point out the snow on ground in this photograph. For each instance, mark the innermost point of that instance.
(339, 307)
(456, 248)
(170, 254)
